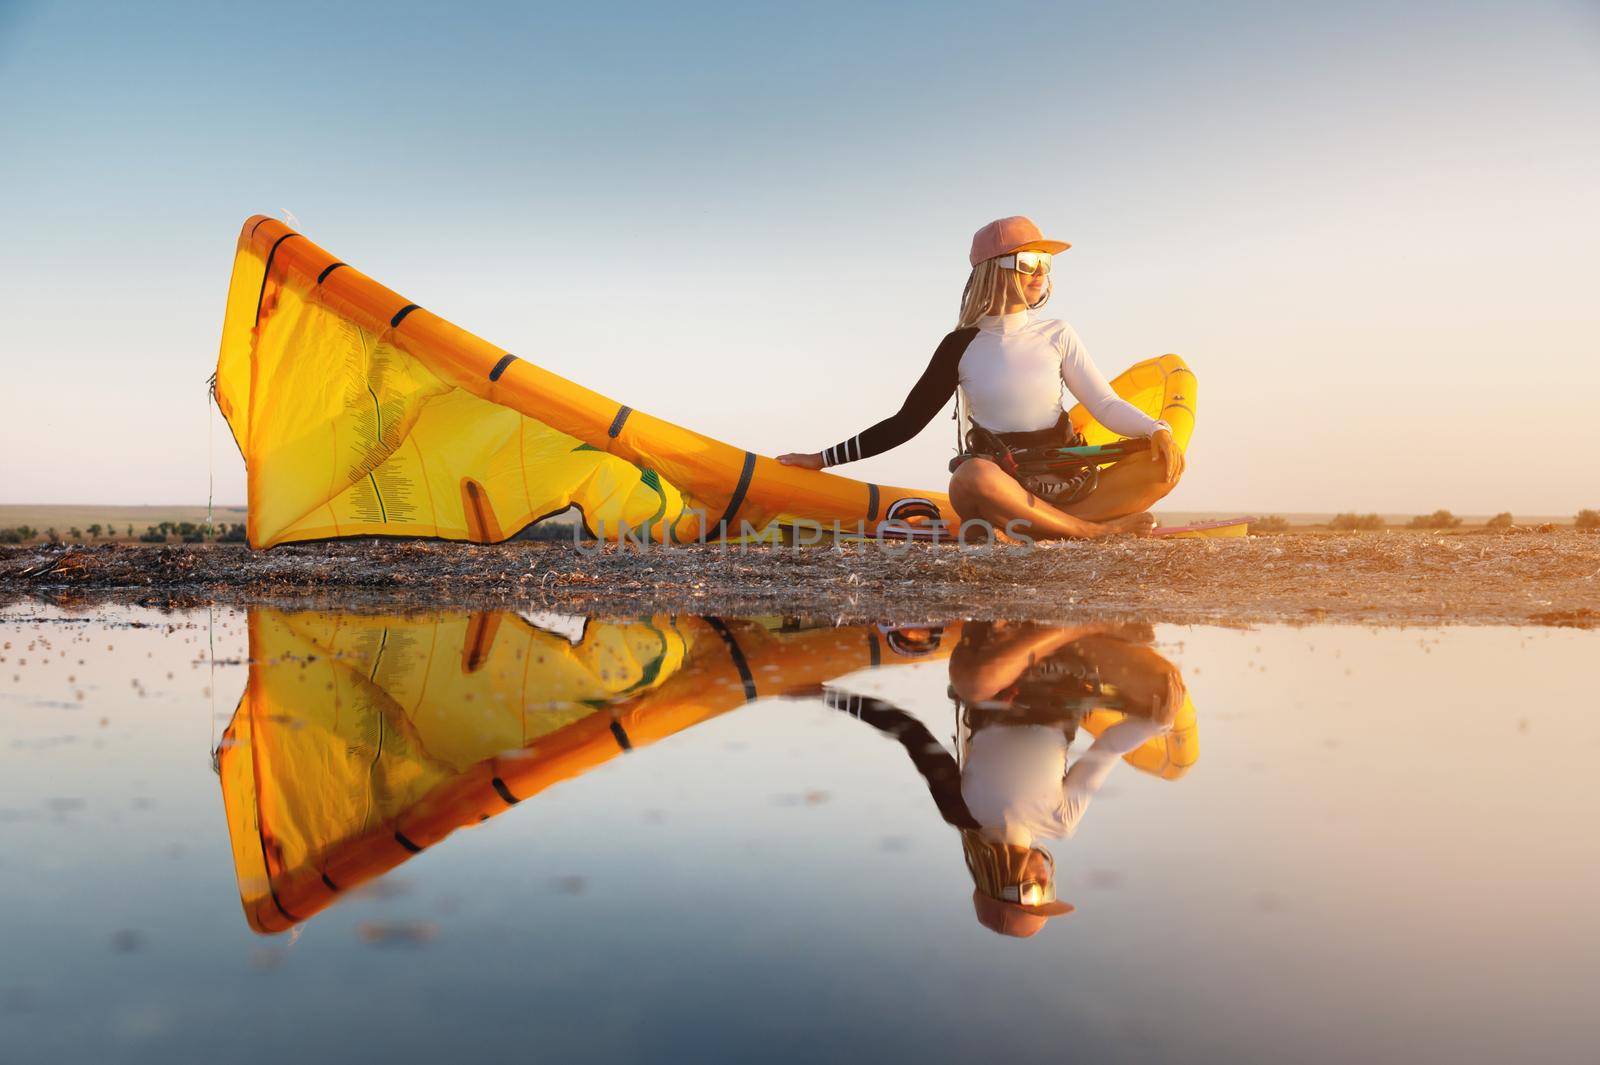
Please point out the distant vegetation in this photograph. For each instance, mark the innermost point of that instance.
(1353, 522)
(163, 532)
(1439, 519)
(1588, 519)
(1502, 520)
(187, 531)
(1272, 523)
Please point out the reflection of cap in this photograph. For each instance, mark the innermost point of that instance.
(1015, 886)
(1014, 919)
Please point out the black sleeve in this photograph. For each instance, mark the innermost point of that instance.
(931, 392)
(927, 754)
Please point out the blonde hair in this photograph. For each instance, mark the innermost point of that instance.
(996, 865)
(992, 285)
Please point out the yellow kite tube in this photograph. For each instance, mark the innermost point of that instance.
(1169, 755)
(1163, 387)
(359, 413)
(362, 740)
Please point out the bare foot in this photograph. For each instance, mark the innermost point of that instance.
(1003, 537)
(982, 533)
(1134, 524)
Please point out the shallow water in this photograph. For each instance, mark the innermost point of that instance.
(300, 837)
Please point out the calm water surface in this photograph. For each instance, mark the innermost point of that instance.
(286, 836)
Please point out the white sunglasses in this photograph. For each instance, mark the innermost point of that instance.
(1027, 262)
(1029, 893)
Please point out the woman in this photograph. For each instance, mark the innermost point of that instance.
(1014, 370)
(1021, 692)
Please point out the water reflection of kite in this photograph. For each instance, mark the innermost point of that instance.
(362, 740)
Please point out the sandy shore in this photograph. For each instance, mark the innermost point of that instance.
(1519, 577)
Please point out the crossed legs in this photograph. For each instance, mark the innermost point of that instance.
(980, 489)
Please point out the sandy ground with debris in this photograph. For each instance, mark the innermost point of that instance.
(1549, 577)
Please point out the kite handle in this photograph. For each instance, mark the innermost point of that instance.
(1041, 458)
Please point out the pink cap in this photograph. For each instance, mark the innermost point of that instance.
(1011, 919)
(1006, 235)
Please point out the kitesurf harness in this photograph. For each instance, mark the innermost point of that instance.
(1059, 690)
(1054, 464)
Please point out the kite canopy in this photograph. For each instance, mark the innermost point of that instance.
(359, 413)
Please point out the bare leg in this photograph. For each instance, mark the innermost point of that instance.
(982, 490)
(1133, 485)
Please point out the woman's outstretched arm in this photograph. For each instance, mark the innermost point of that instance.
(1085, 381)
(937, 767)
(931, 392)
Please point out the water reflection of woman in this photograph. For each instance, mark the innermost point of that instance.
(1021, 691)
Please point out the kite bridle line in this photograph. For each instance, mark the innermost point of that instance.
(211, 663)
(211, 453)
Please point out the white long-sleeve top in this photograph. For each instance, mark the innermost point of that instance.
(1018, 785)
(1019, 370)
(1016, 371)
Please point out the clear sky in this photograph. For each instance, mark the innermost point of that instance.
(1372, 229)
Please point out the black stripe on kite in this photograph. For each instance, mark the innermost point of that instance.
(268, 273)
(876, 653)
(616, 423)
(737, 654)
(872, 502)
(261, 837)
(500, 367)
(505, 792)
(622, 737)
(400, 315)
(400, 838)
(257, 226)
(1180, 406)
(738, 494)
(291, 918)
(329, 881)
(326, 270)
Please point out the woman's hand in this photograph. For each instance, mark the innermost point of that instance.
(1165, 450)
(806, 461)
